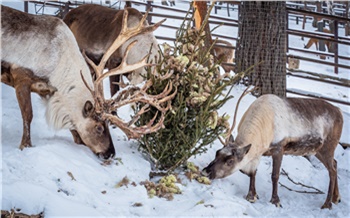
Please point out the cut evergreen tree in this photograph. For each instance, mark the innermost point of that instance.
(193, 123)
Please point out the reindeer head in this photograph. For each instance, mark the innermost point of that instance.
(226, 160)
(107, 109)
(94, 133)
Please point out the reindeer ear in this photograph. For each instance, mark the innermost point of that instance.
(231, 139)
(246, 149)
(88, 109)
(229, 142)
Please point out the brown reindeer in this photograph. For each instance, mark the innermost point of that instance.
(223, 54)
(95, 27)
(316, 41)
(274, 126)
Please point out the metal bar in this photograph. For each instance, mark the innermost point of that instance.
(336, 50)
(26, 6)
(149, 8)
(318, 79)
(185, 11)
(228, 9)
(319, 61)
(169, 16)
(341, 40)
(316, 14)
(287, 36)
(182, 18)
(321, 42)
(321, 97)
(318, 53)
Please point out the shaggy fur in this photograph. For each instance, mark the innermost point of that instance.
(95, 28)
(274, 126)
(45, 46)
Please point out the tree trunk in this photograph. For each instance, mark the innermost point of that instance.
(261, 45)
(199, 15)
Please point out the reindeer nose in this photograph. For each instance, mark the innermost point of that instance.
(111, 151)
(208, 172)
(204, 172)
(108, 154)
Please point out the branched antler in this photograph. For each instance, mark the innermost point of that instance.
(226, 140)
(107, 108)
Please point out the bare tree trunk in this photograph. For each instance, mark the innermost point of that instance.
(262, 45)
(200, 13)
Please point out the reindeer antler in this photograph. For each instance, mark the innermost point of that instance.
(245, 92)
(107, 108)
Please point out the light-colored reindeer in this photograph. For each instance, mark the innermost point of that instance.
(40, 54)
(274, 126)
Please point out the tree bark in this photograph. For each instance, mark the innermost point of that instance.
(199, 15)
(261, 45)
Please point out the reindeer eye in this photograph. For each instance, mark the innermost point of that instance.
(230, 162)
(99, 129)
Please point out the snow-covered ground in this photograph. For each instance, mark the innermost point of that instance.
(39, 179)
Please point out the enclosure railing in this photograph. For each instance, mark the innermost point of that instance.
(293, 14)
(332, 38)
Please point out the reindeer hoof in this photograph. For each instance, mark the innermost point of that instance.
(336, 200)
(252, 198)
(276, 202)
(327, 205)
(26, 145)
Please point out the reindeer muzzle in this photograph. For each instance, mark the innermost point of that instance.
(208, 172)
(108, 154)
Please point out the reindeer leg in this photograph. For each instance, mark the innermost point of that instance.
(277, 160)
(22, 87)
(251, 172)
(336, 196)
(332, 171)
(114, 62)
(252, 196)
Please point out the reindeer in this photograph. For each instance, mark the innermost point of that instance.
(95, 27)
(316, 41)
(42, 50)
(224, 54)
(273, 126)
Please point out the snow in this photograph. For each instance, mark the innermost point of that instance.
(38, 179)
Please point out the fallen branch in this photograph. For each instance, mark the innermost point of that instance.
(16, 213)
(298, 183)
